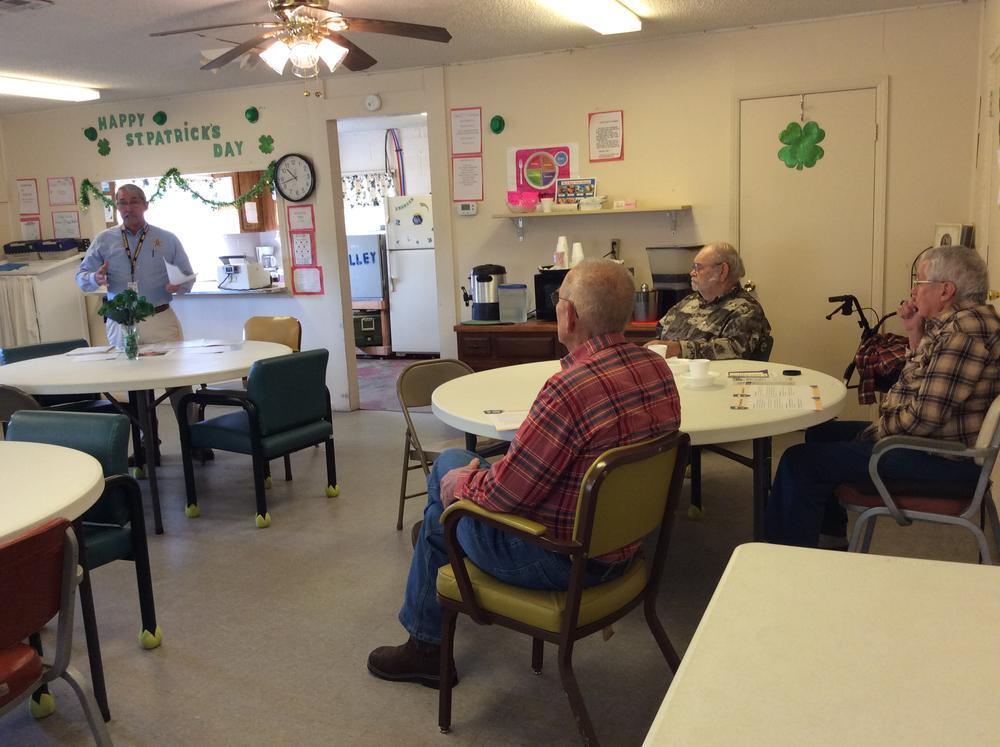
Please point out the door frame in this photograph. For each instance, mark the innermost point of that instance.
(881, 86)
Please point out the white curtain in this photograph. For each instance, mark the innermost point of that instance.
(18, 316)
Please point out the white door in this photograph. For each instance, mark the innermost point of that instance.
(808, 235)
(413, 319)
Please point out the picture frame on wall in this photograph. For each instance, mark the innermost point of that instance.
(953, 234)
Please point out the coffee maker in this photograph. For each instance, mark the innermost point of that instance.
(485, 281)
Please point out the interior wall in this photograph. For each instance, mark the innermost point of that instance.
(678, 98)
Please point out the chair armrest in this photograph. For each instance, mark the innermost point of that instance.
(913, 443)
(222, 397)
(528, 530)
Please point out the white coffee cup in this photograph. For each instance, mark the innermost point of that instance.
(698, 368)
(546, 204)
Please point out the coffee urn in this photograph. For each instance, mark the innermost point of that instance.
(485, 281)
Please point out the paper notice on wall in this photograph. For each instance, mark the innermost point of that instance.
(467, 179)
(31, 229)
(65, 224)
(466, 131)
(250, 211)
(607, 136)
(27, 195)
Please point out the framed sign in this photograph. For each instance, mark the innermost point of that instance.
(300, 218)
(62, 190)
(65, 224)
(31, 228)
(307, 281)
(27, 195)
(303, 248)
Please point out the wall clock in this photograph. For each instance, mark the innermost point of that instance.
(294, 177)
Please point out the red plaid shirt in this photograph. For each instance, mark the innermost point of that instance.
(609, 393)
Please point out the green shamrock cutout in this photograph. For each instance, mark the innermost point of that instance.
(90, 133)
(103, 146)
(801, 145)
(266, 144)
(160, 118)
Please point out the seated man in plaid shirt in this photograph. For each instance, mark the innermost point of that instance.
(950, 378)
(609, 393)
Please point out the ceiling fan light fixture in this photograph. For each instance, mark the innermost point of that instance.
(40, 89)
(331, 53)
(304, 57)
(604, 16)
(276, 56)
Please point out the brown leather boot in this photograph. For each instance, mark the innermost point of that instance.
(414, 661)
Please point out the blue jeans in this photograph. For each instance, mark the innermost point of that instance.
(802, 504)
(502, 555)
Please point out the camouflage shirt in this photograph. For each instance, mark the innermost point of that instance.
(731, 326)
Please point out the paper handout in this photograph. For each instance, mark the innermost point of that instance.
(176, 275)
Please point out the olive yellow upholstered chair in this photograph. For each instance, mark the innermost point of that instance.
(627, 494)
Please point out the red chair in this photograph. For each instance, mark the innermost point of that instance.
(963, 505)
(38, 579)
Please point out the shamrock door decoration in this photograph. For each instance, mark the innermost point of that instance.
(801, 145)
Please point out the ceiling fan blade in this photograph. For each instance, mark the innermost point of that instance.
(356, 58)
(262, 24)
(398, 28)
(239, 49)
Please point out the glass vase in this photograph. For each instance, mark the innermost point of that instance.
(132, 342)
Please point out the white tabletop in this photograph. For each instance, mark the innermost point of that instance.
(813, 647)
(67, 374)
(41, 482)
(705, 413)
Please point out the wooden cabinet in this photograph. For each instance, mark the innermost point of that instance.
(495, 345)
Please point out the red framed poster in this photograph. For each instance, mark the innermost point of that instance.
(307, 281)
(27, 195)
(62, 190)
(300, 218)
(303, 249)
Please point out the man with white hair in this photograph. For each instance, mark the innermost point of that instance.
(719, 320)
(950, 378)
(608, 393)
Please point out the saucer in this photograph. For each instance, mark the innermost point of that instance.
(704, 383)
(677, 366)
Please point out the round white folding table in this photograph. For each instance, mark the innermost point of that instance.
(707, 414)
(181, 366)
(42, 482)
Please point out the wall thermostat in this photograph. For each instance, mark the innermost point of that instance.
(373, 103)
(466, 208)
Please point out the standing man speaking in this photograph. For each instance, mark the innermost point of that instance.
(134, 255)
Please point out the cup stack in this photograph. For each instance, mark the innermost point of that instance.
(577, 256)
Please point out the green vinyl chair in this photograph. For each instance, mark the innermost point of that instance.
(628, 493)
(285, 408)
(75, 402)
(114, 528)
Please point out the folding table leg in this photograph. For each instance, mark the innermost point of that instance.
(146, 421)
(761, 483)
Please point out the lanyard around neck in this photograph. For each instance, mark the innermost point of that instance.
(133, 258)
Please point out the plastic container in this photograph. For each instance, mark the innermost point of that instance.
(513, 302)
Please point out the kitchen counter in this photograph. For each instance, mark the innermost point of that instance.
(485, 346)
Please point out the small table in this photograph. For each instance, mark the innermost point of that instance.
(810, 647)
(42, 482)
(65, 374)
(705, 413)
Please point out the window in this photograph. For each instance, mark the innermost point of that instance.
(208, 233)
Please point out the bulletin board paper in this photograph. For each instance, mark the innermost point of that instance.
(467, 179)
(303, 248)
(301, 218)
(467, 131)
(607, 136)
(65, 224)
(27, 194)
(307, 281)
(31, 228)
(62, 190)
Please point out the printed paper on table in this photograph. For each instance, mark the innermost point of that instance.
(757, 395)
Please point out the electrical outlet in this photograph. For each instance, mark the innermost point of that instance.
(616, 245)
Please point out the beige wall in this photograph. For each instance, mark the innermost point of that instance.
(678, 97)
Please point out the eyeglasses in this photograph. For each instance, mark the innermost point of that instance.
(555, 298)
(914, 283)
(698, 266)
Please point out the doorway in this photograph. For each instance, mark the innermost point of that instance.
(809, 234)
(383, 160)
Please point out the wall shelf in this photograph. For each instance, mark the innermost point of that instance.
(518, 218)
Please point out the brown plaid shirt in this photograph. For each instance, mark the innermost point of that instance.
(949, 381)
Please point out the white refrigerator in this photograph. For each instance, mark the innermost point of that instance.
(413, 318)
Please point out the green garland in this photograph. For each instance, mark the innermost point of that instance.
(88, 189)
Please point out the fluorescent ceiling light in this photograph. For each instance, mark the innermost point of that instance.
(38, 89)
(604, 16)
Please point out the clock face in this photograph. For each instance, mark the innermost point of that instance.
(294, 177)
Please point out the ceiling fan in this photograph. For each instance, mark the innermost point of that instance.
(307, 31)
